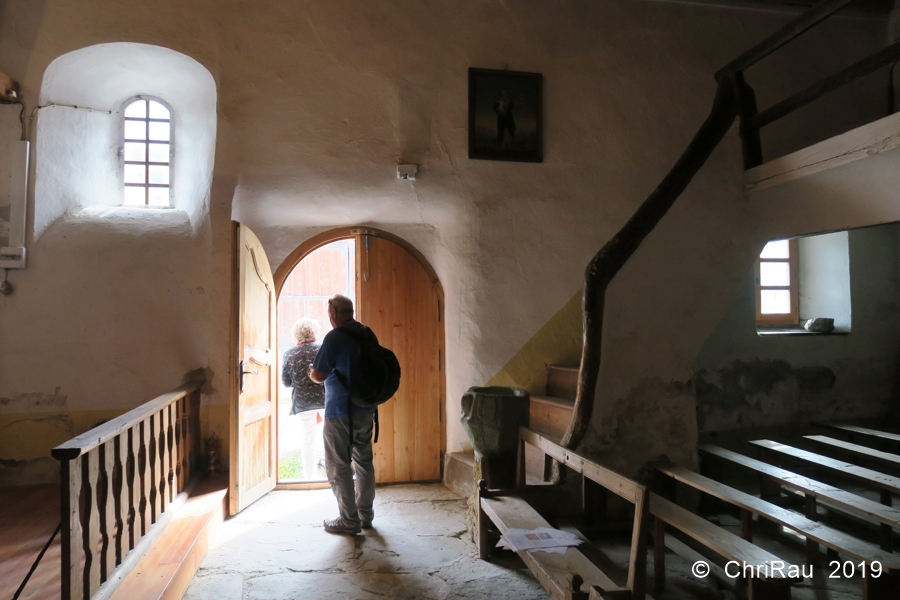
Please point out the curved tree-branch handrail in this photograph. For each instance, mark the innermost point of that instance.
(607, 262)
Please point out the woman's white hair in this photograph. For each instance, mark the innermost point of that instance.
(305, 330)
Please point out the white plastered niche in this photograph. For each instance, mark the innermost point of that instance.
(78, 164)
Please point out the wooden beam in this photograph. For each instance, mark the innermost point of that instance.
(788, 32)
(817, 90)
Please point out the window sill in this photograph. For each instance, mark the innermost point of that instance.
(778, 331)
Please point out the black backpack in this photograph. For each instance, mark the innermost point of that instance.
(379, 370)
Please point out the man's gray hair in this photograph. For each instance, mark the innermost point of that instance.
(305, 330)
(342, 305)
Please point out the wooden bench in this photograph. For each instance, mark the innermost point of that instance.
(884, 458)
(887, 484)
(887, 517)
(852, 431)
(563, 575)
(773, 581)
(883, 587)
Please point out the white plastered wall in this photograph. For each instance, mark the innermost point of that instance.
(318, 102)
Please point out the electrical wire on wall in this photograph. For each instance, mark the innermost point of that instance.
(55, 105)
(21, 115)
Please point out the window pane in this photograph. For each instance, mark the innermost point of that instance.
(137, 109)
(135, 151)
(159, 153)
(159, 196)
(159, 131)
(774, 273)
(775, 302)
(135, 174)
(159, 174)
(158, 111)
(135, 130)
(134, 196)
(776, 249)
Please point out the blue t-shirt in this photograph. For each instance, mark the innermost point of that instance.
(339, 352)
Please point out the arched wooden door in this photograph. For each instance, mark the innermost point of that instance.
(401, 303)
(400, 298)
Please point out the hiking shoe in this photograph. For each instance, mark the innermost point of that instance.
(339, 525)
(366, 524)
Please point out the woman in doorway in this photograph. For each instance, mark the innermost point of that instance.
(308, 397)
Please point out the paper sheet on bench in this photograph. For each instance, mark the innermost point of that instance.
(542, 539)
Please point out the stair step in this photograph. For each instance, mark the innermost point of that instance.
(551, 415)
(459, 469)
(562, 382)
(165, 572)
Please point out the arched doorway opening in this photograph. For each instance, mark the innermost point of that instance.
(397, 294)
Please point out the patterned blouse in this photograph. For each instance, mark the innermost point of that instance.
(307, 395)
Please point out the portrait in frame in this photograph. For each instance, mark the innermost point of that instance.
(505, 115)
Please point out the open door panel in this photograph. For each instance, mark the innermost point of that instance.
(254, 382)
(401, 302)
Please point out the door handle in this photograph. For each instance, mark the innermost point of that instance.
(243, 372)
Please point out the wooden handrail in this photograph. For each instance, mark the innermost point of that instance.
(117, 480)
(100, 434)
(864, 67)
(803, 23)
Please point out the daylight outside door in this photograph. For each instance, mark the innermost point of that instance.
(253, 459)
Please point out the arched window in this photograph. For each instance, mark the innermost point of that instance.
(147, 151)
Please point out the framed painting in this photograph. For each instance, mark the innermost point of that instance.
(505, 115)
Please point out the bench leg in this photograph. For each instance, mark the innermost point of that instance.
(812, 547)
(746, 524)
(761, 589)
(659, 554)
(483, 547)
(881, 588)
(769, 488)
(887, 538)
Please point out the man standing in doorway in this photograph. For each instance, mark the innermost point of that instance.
(348, 428)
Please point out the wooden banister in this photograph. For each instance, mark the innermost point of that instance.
(803, 23)
(116, 482)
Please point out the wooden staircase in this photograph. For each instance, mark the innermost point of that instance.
(165, 572)
(553, 413)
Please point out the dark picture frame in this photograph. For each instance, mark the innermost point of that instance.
(505, 115)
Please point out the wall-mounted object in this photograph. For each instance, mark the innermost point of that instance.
(9, 89)
(505, 119)
(407, 172)
(14, 185)
(12, 258)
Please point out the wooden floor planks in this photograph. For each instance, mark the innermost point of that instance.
(27, 520)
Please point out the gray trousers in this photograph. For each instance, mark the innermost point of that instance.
(342, 463)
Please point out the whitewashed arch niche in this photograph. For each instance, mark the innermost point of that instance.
(82, 153)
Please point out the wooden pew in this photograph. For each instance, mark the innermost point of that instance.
(853, 431)
(877, 456)
(887, 517)
(774, 580)
(882, 587)
(887, 484)
(563, 575)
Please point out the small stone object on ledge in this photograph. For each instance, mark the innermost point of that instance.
(819, 325)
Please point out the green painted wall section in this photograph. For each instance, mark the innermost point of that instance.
(558, 342)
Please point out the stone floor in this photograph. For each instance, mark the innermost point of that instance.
(419, 548)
